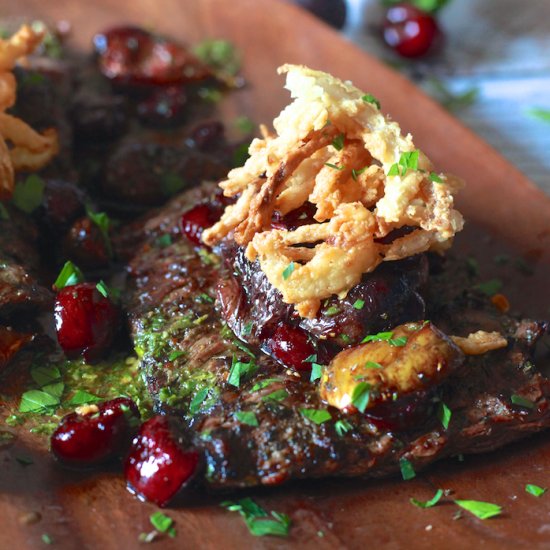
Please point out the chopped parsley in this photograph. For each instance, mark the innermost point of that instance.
(359, 304)
(482, 510)
(244, 125)
(239, 370)
(435, 178)
(82, 397)
(102, 288)
(277, 395)
(288, 271)
(39, 402)
(219, 54)
(246, 417)
(489, 288)
(24, 460)
(345, 338)
(247, 329)
(428, 503)
(44, 375)
(198, 400)
(522, 401)
(316, 372)
(444, 414)
(407, 161)
(331, 311)
(101, 219)
(356, 173)
(398, 342)
(163, 241)
(163, 523)
(361, 396)
(394, 170)
(69, 275)
(373, 365)
(259, 522)
(264, 383)
(369, 98)
(342, 427)
(204, 298)
(338, 142)
(175, 355)
(46, 539)
(334, 166)
(379, 337)
(318, 416)
(535, 490)
(28, 194)
(407, 470)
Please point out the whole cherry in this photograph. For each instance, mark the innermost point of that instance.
(198, 218)
(410, 31)
(95, 433)
(160, 462)
(85, 320)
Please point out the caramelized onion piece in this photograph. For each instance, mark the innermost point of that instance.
(480, 342)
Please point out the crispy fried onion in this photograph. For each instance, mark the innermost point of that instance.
(480, 342)
(334, 148)
(21, 147)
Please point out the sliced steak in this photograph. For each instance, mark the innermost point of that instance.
(191, 361)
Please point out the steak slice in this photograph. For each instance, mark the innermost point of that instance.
(245, 411)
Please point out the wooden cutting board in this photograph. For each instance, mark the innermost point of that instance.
(94, 511)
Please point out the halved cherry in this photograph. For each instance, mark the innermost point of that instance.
(160, 463)
(95, 433)
(291, 347)
(85, 320)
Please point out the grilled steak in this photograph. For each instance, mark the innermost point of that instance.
(188, 351)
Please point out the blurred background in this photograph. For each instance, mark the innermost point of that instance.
(487, 61)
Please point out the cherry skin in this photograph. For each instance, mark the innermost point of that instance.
(409, 31)
(85, 245)
(85, 321)
(290, 346)
(200, 217)
(131, 56)
(159, 464)
(96, 433)
(165, 107)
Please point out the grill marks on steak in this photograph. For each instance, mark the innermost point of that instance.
(167, 316)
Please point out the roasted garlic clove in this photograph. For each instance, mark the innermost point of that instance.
(412, 357)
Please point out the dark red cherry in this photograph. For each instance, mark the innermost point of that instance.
(85, 320)
(291, 347)
(196, 220)
(409, 31)
(133, 56)
(207, 135)
(160, 462)
(95, 433)
(85, 245)
(164, 107)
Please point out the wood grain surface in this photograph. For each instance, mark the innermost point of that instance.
(89, 511)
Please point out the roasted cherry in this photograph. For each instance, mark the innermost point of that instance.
(200, 217)
(290, 346)
(164, 107)
(85, 320)
(132, 56)
(85, 244)
(409, 31)
(207, 135)
(300, 216)
(95, 433)
(62, 203)
(160, 462)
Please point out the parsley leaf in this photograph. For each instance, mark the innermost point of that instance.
(69, 275)
(394, 170)
(102, 289)
(331, 311)
(46, 539)
(264, 383)
(175, 355)
(101, 219)
(238, 370)
(287, 272)
(428, 503)
(318, 416)
(482, 510)
(361, 396)
(407, 470)
(373, 365)
(369, 98)
(38, 401)
(44, 375)
(444, 414)
(535, 490)
(435, 178)
(163, 523)
(356, 173)
(244, 125)
(163, 241)
(342, 427)
(82, 397)
(220, 55)
(334, 166)
(28, 194)
(338, 142)
(258, 521)
(522, 401)
(398, 342)
(316, 372)
(197, 401)
(359, 304)
(380, 336)
(247, 417)
(277, 395)
(489, 288)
